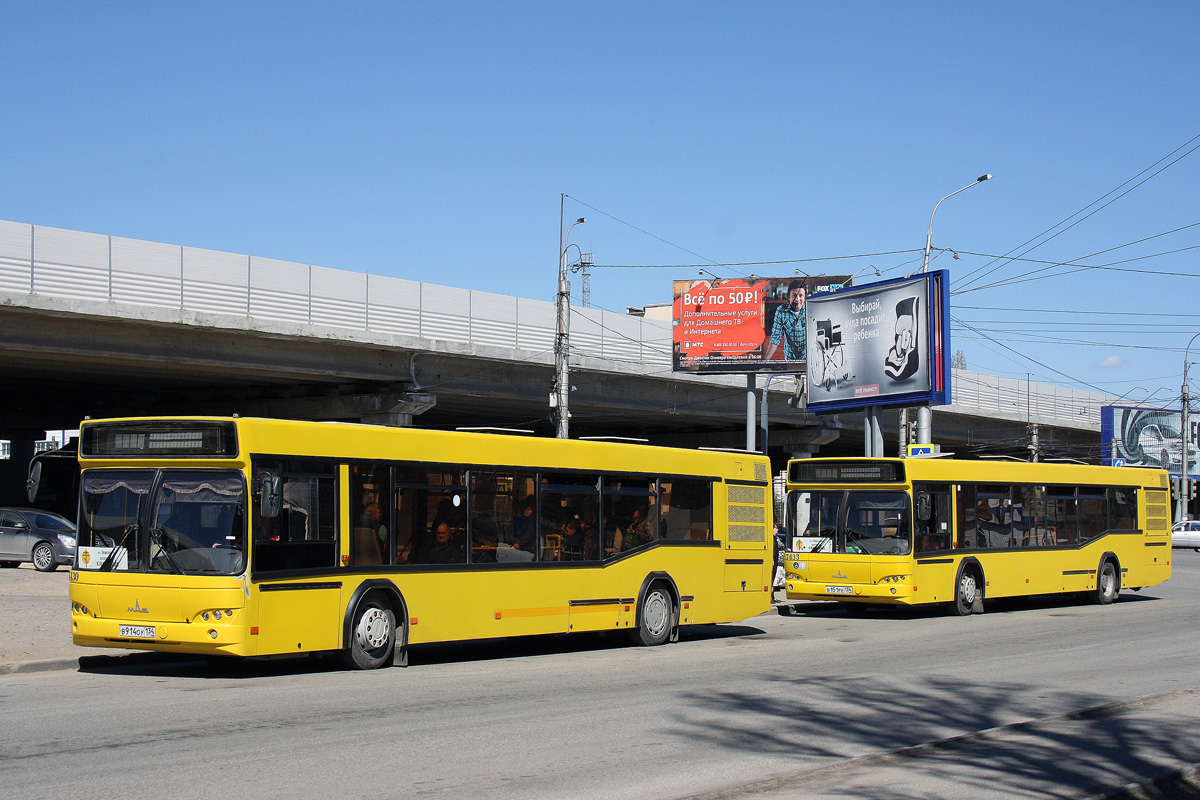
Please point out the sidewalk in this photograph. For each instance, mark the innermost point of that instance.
(35, 622)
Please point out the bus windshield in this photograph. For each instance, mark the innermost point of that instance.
(863, 522)
(188, 522)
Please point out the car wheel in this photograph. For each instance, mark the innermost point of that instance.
(43, 557)
(372, 637)
(656, 617)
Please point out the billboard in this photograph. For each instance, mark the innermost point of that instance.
(744, 324)
(1136, 436)
(883, 344)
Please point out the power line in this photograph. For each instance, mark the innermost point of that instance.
(645, 232)
(755, 263)
(1089, 205)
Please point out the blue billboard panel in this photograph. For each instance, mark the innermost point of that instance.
(882, 344)
(1136, 436)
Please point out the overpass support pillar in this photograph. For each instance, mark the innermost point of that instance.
(15, 470)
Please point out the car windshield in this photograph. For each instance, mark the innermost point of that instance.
(51, 522)
(176, 521)
(862, 522)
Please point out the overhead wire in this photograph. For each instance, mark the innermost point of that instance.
(969, 279)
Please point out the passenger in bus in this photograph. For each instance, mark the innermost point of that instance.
(443, 547)
(525, 528)
(373, 520)
(575, 541)
(638, 532)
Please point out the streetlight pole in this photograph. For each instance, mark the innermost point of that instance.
(925, 413)
(1181, 504)
(929, 235)
(561, 398)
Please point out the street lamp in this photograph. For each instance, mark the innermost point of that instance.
(1184, 481)
(925, 413)
(929, 235)
(560, 399)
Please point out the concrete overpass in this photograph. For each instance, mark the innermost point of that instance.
(97, 325)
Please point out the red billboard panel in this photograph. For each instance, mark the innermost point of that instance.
(744, 324)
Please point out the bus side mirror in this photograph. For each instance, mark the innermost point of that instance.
(924, 511)
(269, 496)
(33, 481)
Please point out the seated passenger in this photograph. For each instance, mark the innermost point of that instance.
(443, 548)
(638, 532)
(575, 541)
(525, 529)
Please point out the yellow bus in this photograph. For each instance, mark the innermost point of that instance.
(930, 530)
(262, 537)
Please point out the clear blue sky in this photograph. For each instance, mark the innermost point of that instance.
(432, 141)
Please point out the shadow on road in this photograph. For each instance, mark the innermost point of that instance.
(1003, 605)
(475, 650)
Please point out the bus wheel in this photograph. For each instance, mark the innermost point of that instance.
(1107, 585)
(656, 617)
(372, 637)
(966, 593)
(43, 557)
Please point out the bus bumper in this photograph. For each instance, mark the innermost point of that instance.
(894, 593)
(202, 637)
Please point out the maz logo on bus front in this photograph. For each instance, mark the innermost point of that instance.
(136, 608)
(837, 574)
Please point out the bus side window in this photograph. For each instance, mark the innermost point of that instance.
(686, 508)
(304, 534)
(966, 516)
(932, 524)
(1061, 514)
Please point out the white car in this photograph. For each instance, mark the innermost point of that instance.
(1186, 533)
(1163, 446)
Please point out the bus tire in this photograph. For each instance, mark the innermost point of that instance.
(967, 592)
(656, 617)
(43, 557)
(1108, 584)
(372, 636)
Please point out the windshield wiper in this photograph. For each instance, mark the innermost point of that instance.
(156, 536)
(131, 528)
(859, 540)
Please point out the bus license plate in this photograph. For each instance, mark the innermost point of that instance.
(137, 632)
(839, 590)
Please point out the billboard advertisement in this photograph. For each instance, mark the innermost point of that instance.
(882, 344)
(744, 324)
(1136, 436)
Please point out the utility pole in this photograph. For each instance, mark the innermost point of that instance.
(925, 413)
(560, 398)
(1185, 482)
(586, 261)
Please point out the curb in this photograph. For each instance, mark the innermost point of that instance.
(133, 658)
(48, 665)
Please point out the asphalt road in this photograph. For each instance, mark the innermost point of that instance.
(1032, 699)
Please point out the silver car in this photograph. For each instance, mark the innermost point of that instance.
(1186, 533)
(27, 534)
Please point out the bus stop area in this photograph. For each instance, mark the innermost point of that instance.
(37, 619)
